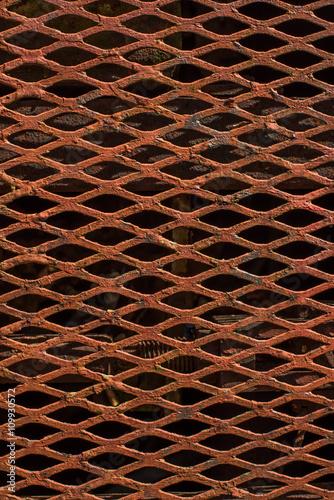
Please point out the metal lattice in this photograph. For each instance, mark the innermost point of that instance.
(167, 258)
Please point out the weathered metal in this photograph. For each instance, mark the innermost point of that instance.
(167, 209)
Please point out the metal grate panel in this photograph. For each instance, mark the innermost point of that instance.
(166, 185)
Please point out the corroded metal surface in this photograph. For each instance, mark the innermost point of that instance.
(166, 186)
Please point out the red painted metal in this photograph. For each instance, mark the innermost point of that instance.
(167, 248)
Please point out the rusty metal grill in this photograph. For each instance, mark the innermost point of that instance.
(166, 185)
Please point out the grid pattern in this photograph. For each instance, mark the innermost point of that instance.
(166, 185)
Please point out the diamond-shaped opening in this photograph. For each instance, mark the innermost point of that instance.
(325, 138)
(5, 89)
(185, 364)
(108, 203)
(186, 267)
(192, 10)
(189, 396)
(107, 139)
(36, 431)
(326, 107)
(69, 155)
(299, 218)
(148, 56)
(144, 412)
(70, 88)
(32, 367)
(262, 234)
(6, 24)
(299, 282)
(186, 300)
(148, 475)
(70, 350)
(261, 425)
(72, 446)
(73, 476)
(260, 455)
(186, 170)
(261, 170)
(190, 40)
(186, 105)
(7, 287)
(224, 89)
(116, 489)
(186, 202)
(70, 318)
(325, 297)
(325, 170)
(299, 314)
(325, 482)
(261, 202)
(70, 56)
(184, 488)
(298, 27)
(262, 42)
(225, 185)
(262, 137)
(186, 137)
(262, 106)
(109, 301)
(32, 8)
(148, 219)
(6, 57)
(30, 73)
(69, 121)
(70, 23)
(224, 283)
(224, 251)
(70, 285)
(108, 170)
(107, 105)
(324, 202)
(326, 44)
(224, 379)
(30, 204)
(262, 74)
(147, 252)
(33, 399)
(6, 122)
(154, 443)
(325, 452)
(149, 154)
(224, 121)
(36, 462)
(225, 154)
(147, 186)
(223, 315)
(109, 39)
(30, 40)
(224, 57)
(186, 458)
(223, 442)
(110, 429)
(110, 461)
(186, 427)
(77, 186)
(256, 485)
(147, 24)
(147, 284)
(30, 270)
(108, 236)
(107, 72)
(6, 221)
(223, 472)
(147, 121)
(298, 153)
(109, 268)
(299, 122)
(186, 73)
(148, 381)
(299, 90)
(298, 59)
(261, 10)
(299, 250)
(147, 317)
(224, 25)
(262, 266)
(69, 220)
(299, 468)
(30, 106)
(30, 238)
(109, 8)
(70, 253)
(30, 139)
(326, 13)
(298, 407)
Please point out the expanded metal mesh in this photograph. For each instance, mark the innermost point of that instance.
(167, 248)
